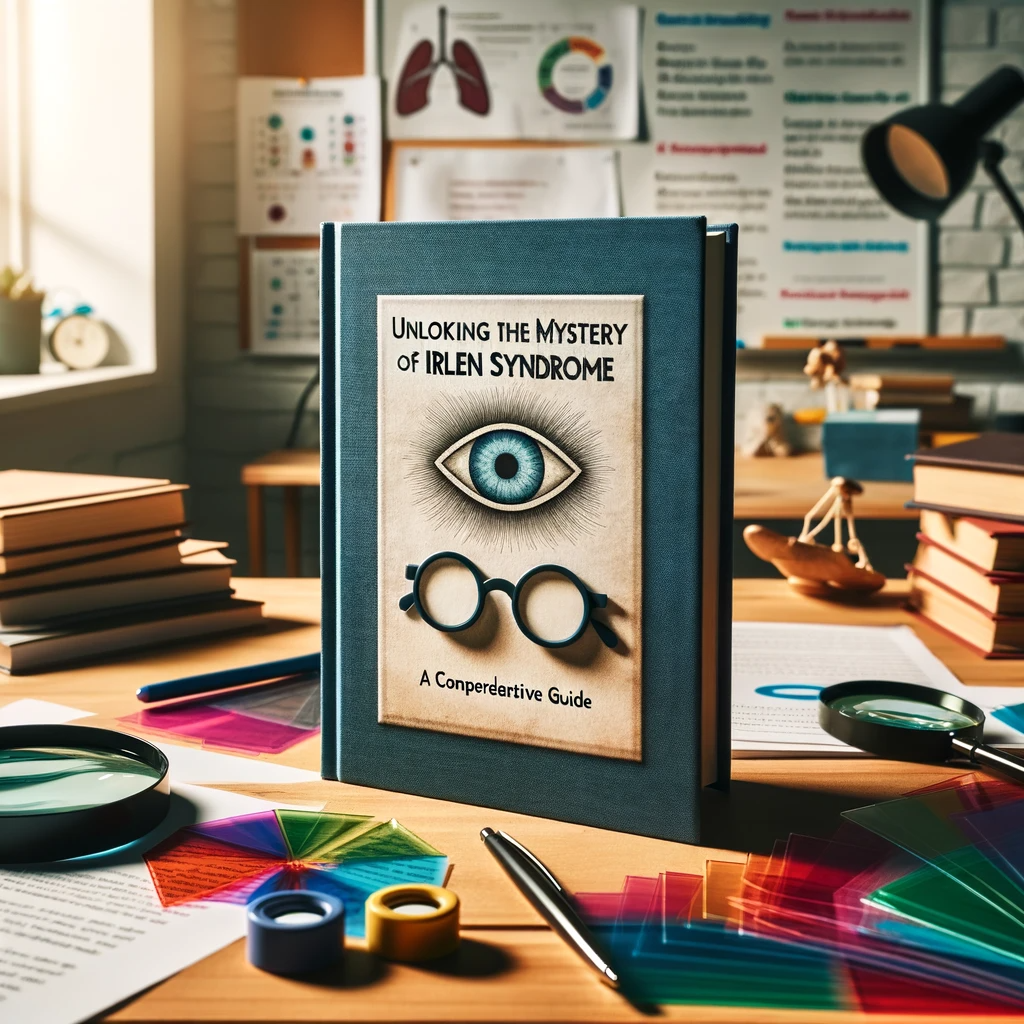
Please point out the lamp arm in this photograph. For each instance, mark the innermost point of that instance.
(992, 154)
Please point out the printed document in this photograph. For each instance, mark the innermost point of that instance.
(506, 184)
(779, 668)
(78, 937)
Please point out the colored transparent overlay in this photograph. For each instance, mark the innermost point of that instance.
(234, 860)
(855, 922)
(263, 719)
(968, 833)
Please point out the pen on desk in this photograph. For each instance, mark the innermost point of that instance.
(549, 899)
(210, 681)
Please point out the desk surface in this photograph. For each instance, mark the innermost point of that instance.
(788, 488)
(765, 488)
(290, 467)
(510, 967)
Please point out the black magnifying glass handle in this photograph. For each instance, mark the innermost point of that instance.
(981, 753)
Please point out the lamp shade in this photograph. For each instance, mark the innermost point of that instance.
(922, 158)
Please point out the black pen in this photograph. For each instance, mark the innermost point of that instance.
(549, 899)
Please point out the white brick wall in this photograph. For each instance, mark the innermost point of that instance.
(240, 407)
(978, 237)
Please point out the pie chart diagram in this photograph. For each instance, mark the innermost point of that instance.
(570, 56)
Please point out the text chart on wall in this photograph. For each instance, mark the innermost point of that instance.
(756, 117)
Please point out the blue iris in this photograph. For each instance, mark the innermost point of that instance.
(506, 466)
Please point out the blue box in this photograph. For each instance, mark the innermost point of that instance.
(871, 445)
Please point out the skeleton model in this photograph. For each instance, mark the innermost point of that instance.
(812, 568)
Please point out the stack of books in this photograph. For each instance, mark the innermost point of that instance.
(932, 394)
(968, 575)
(91, 565)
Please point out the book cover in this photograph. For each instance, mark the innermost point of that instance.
(990, 452)
(489, 485)
(522, 432)
(958, 512)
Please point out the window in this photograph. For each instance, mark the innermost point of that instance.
(90, 182)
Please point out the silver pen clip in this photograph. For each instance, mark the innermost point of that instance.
(531, 859)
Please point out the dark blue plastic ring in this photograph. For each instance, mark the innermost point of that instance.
(283, 947)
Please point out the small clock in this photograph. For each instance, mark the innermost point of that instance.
(80, 342)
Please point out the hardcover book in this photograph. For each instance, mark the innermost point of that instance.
(526, 496)
(988, 469)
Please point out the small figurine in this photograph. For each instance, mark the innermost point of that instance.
(811, 568)
(764, 433)
(826, 365)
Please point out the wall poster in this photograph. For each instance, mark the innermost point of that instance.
(755, 115)
(533, 69)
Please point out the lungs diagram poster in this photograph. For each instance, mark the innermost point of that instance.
(755, 115)
(509, 518)
(525, 70)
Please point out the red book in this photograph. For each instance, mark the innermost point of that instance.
(989, 544)
(991, 635)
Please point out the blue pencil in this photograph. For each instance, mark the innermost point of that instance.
(210, 681)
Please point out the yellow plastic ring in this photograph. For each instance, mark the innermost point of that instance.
(422, 935)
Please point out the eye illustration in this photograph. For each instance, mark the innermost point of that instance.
(507, 466)
(509, 469)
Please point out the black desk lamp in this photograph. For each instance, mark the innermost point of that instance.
(922, 158)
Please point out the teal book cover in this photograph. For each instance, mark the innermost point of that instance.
(526, 497)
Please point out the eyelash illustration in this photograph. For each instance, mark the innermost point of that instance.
(509, 469)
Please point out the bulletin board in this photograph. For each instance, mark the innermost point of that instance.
(297, 39)
(843, 275)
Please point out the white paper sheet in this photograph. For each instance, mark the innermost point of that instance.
(195, 765)
(29, 711)
(74, 941)
(188, 764)
(506, 184)
(307, 152)
(778, 669)
(535, 69)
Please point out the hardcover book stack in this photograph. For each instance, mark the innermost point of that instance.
(941, 410)
(92, 565)
(968, 575)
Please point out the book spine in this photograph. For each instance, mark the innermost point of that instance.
(725, 534)
(330, 733)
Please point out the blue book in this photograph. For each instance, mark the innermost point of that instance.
(527, 433)
(871, 444)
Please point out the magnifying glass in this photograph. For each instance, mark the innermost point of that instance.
(71, 790)
(905, 722)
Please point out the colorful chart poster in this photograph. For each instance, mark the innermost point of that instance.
(449, 183)
(756, 116)
(308, 151)
(284, 302)
(509, 518)
(470, 69)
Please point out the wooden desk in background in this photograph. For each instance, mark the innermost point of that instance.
(291, 469)
(510, 967)
(788, 488)
(765, 489)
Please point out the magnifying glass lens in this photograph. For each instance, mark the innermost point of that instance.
(900, 712)
(41, 780)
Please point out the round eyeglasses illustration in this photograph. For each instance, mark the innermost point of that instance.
(551, 605)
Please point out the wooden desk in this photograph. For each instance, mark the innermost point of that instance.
(788, 488)
(291, 469)
(765, 489)
(511, 967)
